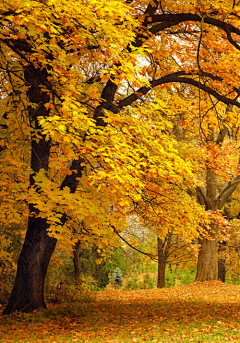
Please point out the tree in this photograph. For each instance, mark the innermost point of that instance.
(35, 87)
(117, 278)
(228, 249)
(173, 250)
(74, 121)
(214, 134)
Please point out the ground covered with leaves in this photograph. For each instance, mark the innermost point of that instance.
(200, 312)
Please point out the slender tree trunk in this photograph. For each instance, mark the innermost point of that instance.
(221, 261)
(161, 264)
(221, 270)
(77, 261)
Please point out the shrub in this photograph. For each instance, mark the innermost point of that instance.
(117, 278)
(180, 276)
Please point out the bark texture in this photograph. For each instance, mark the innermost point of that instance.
(27, 294)
(207, 266)
(207, 258)
(207, 261)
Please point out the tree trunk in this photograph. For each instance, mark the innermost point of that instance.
(221, 261)
(207, 261)
(207, 257)
(161, 264)
(221, 270)
(27, 294)
(77, 261)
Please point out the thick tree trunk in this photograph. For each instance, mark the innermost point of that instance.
(207, 258)
(207, 261)
(27, 294)
(161, 264)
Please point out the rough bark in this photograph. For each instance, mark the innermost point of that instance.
(207, 257)
(207, 265)
(207, 261)
(27, 294)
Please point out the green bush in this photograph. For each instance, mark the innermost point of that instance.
(179, 275)
(232, 278)
(132, 283)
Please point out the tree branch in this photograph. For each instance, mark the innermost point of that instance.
(223, 131)
(174, 19)
(227, 191)
(201, 196)
(152, 257)
(180, 78)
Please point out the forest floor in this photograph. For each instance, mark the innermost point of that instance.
(200, 312)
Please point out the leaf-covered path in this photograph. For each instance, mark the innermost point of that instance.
(207, 312)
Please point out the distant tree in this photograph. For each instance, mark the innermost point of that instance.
(117, 278)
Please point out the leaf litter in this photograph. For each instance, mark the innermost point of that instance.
(200, 312)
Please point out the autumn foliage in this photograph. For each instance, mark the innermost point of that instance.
(110, 109)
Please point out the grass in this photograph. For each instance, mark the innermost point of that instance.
(200, 312)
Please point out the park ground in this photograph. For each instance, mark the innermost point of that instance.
(199, 312)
